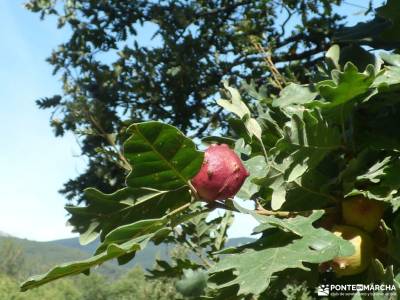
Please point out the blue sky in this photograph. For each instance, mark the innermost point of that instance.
(33, 163)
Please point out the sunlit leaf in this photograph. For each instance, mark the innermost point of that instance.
(256, 263)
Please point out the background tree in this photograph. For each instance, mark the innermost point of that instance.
(12, 261)
(111, 78)
(17, 262)
(323, 169)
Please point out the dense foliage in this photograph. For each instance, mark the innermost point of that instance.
(130, 61)
(131, 286)
(20, 258)
(310, 148)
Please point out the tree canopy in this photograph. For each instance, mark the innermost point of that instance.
(318, 136)
(112, 78)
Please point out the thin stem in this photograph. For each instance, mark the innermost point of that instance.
(264, 150)
(265, 212)
(288, 214)
(277, 77)
(195, 250)
(193, 191)
(223, 231)
(125, 164)
(189, 245)
(177, 210)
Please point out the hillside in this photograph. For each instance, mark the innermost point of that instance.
(143, 258)
(43, 255)
(40, 256)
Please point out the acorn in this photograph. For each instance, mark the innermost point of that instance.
(360, 260)
(362, 212)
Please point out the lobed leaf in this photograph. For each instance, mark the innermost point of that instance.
(239, 108)
(255, 265)
(345, 86)
(112, 250)
(106, 212)
(294, 94)
(303, 141)
(375, 176)
(257, 168)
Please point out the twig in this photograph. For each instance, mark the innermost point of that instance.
(265, 212)
(289, 16)
(280, 58)
(193, 191)
(197, 252)
(125, 164)
(177, 210)
(278, 78)
(264, 150)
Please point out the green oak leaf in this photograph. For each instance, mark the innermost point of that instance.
(356, 166)
(390, 58)
(345, 86)
(121, 243)
(140, 234)
(210, 234)
(307, 138)
(294, 94)
(105, 212)
(238, 107)
(380, 274)
(242, 148)
(128, 232)
(257, 168)
(234, 104)
(220, 230)
(310, 191)
(161, 156)
(256, 263)
(90, 234)
(333, 55)
(389, 78)
(373, 176)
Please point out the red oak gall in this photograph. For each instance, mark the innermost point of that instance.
(221, 174)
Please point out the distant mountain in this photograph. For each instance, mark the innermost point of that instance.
(43, 255)
(90, 248)
(40, 256)
(2, 233)
(143, 258)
